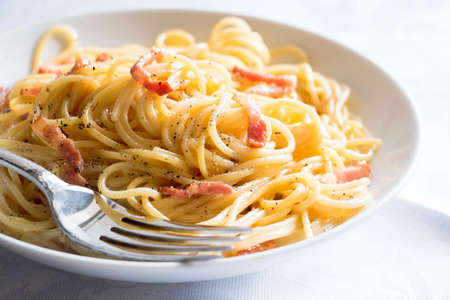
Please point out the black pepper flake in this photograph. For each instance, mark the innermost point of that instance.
(47, 90)
(89, 125)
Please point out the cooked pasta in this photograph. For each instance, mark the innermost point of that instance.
(198, 132)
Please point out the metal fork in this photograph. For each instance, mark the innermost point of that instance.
(79, 215)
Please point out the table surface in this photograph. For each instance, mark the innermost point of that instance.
(410, 39)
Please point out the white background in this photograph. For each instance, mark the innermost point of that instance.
(411, 40)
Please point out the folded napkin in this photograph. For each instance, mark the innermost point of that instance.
(401, 252)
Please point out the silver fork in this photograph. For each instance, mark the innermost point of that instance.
(81, 219)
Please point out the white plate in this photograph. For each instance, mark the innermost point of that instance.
(376, 97)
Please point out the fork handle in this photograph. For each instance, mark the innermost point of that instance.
(46, 181)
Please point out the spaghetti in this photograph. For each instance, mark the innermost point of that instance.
(207, 133)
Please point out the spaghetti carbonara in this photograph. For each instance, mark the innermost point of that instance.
(199, 132)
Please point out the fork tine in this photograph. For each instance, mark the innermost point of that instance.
(120, 240)
(175, 238)
(180, 227)
(157, 224)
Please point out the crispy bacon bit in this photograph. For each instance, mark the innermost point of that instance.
(273, 91)
(143, 77)
(103, 57)
(24, 116)
(258, 248)
(257, 128)
(32, 91)
(42, 198)
(286, 81)
(3, 98)
(79, 64)
(73, 162)
(202, 188)
(353, 173)
(50, 69)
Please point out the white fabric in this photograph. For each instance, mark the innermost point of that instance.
(402, 252)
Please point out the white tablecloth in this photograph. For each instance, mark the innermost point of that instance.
(400, 253)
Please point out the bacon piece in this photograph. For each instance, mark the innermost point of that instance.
(42, 198)
(50, 69)
(32, 91)
(73, 162)
(353, 173)
(103, 57)
(24, 117)
(202, 188)
(3, 98)
(143, 77)
(79, 64)
(257, 128)
(287, 81)
(258, 248)
(274, 91)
